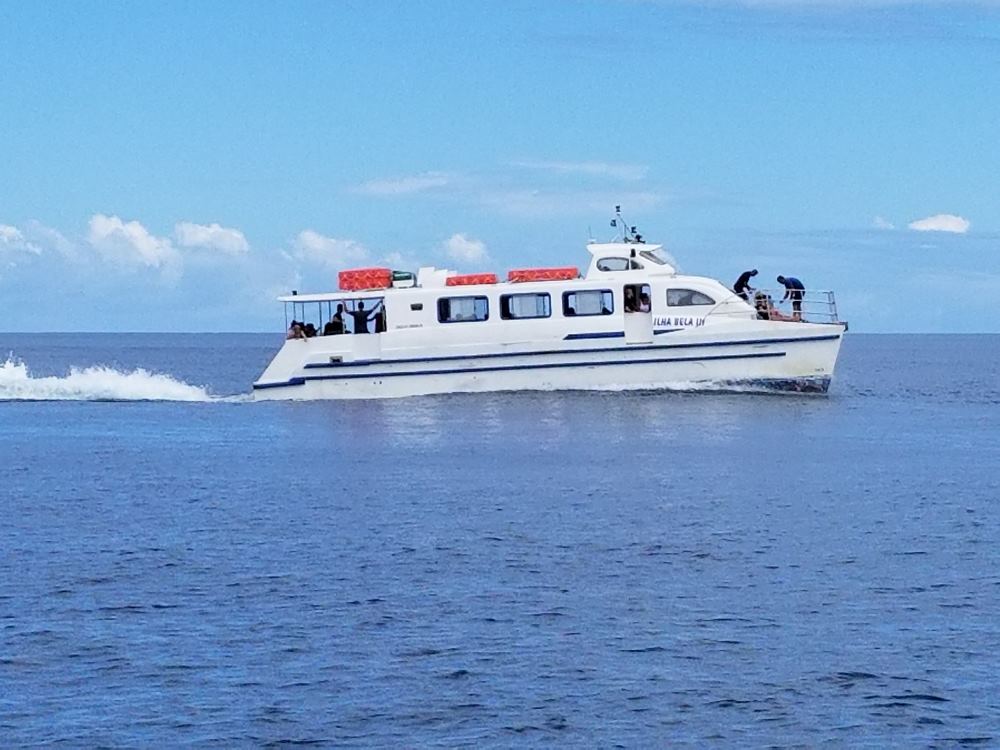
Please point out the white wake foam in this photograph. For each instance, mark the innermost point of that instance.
(97, 383)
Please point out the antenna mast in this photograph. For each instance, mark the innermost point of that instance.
(628, 233)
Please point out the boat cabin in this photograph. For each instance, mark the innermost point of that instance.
(630, 290)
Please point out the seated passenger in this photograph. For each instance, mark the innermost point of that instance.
(644, 304)
(766, 309)
(570, 310)
(776, 314)
(762, 306)
(295, 331)
(309, 330)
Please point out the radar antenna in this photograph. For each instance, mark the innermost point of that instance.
(626, 232)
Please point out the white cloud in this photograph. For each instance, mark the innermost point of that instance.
(941, 223)
(464, 249)
(313, 247)
(508, 194)
(406, 185)
(593, 168)
(402, 261)
(879, 223)
(49, 239)
(33, 239)
(211, 237)
(292, 280)
(336, 254)
(130, 243)
(12, 240)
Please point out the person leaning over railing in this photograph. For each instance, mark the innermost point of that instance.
(742, 286)
(794, 289)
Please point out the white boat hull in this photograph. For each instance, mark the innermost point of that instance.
(785, 356)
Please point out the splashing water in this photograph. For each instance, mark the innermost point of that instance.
(97, 383)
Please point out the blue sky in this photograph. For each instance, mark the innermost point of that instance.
(174, 166)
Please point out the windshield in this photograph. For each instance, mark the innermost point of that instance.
(655, 256)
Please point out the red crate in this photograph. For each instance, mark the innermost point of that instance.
(467, 279)
(562, 273)
(357, 279)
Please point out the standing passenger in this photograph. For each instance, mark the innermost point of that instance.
(335, 326)
(742, 286)
(361, 318)
(793, 289)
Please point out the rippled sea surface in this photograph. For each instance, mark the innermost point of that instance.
(591, 570)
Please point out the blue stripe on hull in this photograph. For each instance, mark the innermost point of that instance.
(601, 335)
(503, 368)
(613, 334)
(292, 381)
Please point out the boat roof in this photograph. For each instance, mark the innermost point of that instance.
(435, 278)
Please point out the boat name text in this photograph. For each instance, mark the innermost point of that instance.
(680, 322)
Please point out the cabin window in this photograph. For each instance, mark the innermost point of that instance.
(590, 302)
(416, 306)
(618, 264)
(463, 309)
(636, 298)
(612, 264)
(687, 297)
(518, 306)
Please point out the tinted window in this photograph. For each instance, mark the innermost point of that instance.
(463, 309)
(590, 302)
(517, 306)
(618, 264)
(612, 264)
(654, 256)
(687, 297)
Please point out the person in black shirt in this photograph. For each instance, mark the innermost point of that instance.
(335, 326)
(794, 289)
(362, 316)
(742, 285)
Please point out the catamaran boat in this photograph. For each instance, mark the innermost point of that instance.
(631, 322)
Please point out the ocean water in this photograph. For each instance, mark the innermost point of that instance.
(180, 566)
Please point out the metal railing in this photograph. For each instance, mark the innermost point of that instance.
(815, 306)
